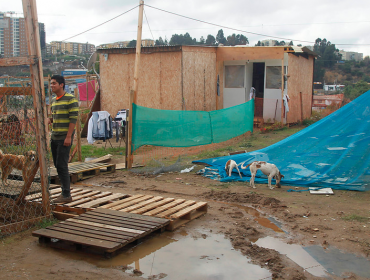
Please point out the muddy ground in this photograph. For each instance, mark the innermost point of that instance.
(306, 219)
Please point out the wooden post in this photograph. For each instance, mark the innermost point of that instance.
(38, 93)
(78, 131)
(129, 156)
(87, 90)
(282, 91)
(136, 84)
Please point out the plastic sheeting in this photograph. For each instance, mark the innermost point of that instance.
(333, 152)
(171, 128)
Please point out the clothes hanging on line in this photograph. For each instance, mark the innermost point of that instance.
(252, 93)
(99, 127)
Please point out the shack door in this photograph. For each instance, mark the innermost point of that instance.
(235, 85)
(258, 82)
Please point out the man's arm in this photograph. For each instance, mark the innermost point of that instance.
(68, 140)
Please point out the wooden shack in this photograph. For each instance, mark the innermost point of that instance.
(205, 78)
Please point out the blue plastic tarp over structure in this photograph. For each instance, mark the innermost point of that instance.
(333, 152)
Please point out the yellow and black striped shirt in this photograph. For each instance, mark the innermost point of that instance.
(64, 111)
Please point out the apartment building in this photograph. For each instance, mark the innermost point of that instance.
(13, 38)
(123, 44)
(351, 55)
(57, 47)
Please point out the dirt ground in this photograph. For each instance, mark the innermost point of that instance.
(307, 219)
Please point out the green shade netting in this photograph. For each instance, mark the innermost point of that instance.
(170, 128)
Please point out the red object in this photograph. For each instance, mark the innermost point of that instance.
(82, 91)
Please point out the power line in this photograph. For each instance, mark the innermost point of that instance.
(100, 24)
(148, 24)
(239, 30)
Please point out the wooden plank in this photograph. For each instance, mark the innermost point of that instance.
(136, 216)
(105, 226)
(15, 91)
(87, 199)
(187, 210)
(141, 204)
(97, 202)
(121, 234)
(123, 223)
(88, 233)
(82, 198)
(132, 202)
(16, 61)
(138, 219)
(62, 216)
(175, 209)
(75, 239)
(164, 207)
(116, 203)
(31, 197)
(102, 159)
(152, 206)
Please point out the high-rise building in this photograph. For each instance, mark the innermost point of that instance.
(57, 47)
(13, 39)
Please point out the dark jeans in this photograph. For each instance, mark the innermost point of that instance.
(60, 158)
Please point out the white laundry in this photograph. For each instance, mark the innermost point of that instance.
(252, 93)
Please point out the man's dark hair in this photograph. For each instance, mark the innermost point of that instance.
(60, 79)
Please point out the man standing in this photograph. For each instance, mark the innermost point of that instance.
(64, 110)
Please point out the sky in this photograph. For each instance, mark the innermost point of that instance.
(344, 23)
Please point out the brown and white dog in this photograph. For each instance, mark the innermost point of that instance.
(25, 163)
(230, 165)
(269, 169)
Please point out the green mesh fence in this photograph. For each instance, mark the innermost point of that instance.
(169, 128)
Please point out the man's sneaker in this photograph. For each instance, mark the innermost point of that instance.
(61, 199)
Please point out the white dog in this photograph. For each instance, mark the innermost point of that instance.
(230, 165)
(268, 169)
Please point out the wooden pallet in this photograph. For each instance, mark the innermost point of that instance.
(14, 188)
(83, 170)
(178, 211)
(101, 229)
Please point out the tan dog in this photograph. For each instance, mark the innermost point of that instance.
(25, 163)
(269, 169)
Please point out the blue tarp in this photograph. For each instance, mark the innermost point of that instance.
(333, 152)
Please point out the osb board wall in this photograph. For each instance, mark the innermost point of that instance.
(251, 53)
(159, 81)
(199, 79)
(300, 72)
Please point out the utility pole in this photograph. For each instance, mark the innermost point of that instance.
(133, 93)
(38, 93)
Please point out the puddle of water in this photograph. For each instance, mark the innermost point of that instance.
(265, 222)
(183, 257)
(296, 253)
(337, 262)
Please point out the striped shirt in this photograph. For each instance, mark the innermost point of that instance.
(64, 111)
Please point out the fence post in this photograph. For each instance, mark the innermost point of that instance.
(38, 93)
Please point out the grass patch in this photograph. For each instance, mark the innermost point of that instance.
(93, 151)
(355, 217)
(46, 223)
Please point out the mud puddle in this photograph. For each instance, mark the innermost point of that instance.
(177, 255)
(318, 260)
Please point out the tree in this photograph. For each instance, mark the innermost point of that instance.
(353, 91)
(291, 43)
(159, 42)
(202, 41)
(131, 44)
(210, 40)
(220, 38)
(259, 44)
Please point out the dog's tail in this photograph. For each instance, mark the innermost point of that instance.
(1, 154)
(245, 167)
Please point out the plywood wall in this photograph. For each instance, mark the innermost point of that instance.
(199, 78)
(252, 53)
(300, 83)
(159, 84)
